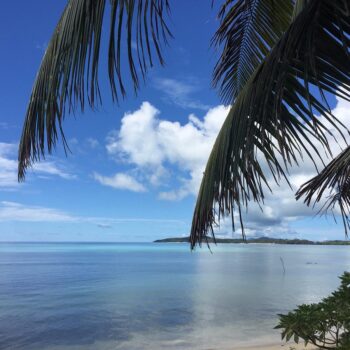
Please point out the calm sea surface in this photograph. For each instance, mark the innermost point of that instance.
(156, 296)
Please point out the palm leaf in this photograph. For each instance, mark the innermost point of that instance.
(68, 75)
(298, 7)
(272, 120)
(248, 30)
(335, 180)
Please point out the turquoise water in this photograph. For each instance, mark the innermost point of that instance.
(156, 296)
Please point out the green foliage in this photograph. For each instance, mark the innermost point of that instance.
(334, 176)
(325, 324)
(248, 30)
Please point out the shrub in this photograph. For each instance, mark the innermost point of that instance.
(325, 324)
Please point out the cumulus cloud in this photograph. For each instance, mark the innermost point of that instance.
(280, 207)
(120, 181)
(256, 226)
(158, 148)
(154, 146)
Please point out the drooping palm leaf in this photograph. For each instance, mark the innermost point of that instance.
(272, 120)
(68, 75)
(299, 6)
(248, 30)
(334, 181)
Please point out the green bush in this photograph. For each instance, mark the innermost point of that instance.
(326, 324)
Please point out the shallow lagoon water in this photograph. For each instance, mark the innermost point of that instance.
(155, 296)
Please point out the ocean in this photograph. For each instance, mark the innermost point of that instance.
(138, 296)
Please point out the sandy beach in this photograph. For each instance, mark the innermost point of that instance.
(285, 346)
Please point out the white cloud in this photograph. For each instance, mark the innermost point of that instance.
(51, 168)
(120, 181)
(93, 143)
(73, 141)
(12, 211)
(280, 207)
(137, 138)
(173, 195)
(8, 167)
(154, 146)
(180, 92)
(157, 149)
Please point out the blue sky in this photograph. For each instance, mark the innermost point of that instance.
(135, 167)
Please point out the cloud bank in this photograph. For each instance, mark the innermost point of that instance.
(157, 148)
(170, 157)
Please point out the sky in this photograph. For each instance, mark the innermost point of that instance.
(135, 167)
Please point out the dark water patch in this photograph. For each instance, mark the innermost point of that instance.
(33, 331)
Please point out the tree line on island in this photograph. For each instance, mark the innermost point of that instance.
(270, 240)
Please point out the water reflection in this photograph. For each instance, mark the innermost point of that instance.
(147, 296)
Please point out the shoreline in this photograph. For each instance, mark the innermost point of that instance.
(264, 240)
(274, 346)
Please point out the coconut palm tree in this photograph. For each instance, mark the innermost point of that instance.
(279, 61)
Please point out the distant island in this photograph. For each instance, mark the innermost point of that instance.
(255, 240)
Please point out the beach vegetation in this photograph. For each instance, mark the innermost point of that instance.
(325, 325)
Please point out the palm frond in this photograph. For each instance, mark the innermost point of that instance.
(272, 120)
(68, 75)
(333, 180)
(298, 7)
(248, 30)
